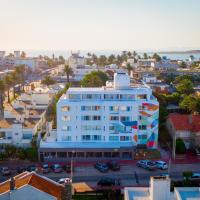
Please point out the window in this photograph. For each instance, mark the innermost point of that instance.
(90, 127)
(96, 118)
(86, 118)
(74, 96)
(86, 137)
(114, 108)
(113, 138)
(2, 135)
(127, 96)
(124, 118)
(142, 137)
(67, 138)
(66, 128)
(66, 118)
(114, 118)
(125, 108)
(124, 138)
(88, 108)
(65, 108)
(142, 127)
(27, 136)
(142, 96)
(111, 128)
(96, 137)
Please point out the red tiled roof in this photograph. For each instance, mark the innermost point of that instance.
(31, 178)
(185, 122)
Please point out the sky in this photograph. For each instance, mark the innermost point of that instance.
(99, 24)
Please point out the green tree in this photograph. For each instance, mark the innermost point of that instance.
(156, 57)
(180, 146)
(190, 103)
(129, 68)
(183, 65)
(102, 60)
(111, 59)
(61, 60)
(23, 54)
(8, 85)
(32, 153)
(2, 91)
(48, 80)
(20, 71)
(185, 86)
(145, 56)
(134, 56)
(68, 71)
(94, 79)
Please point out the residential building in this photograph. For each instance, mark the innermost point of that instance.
(150, 78)
(23, 120)
(104, 122)
(76, 60)
(32, 186)
(159, 189)
(186, 127)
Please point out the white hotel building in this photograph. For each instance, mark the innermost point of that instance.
(103, 122)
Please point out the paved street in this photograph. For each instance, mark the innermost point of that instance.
(127, 174)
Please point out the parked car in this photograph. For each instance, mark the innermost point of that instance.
(164, 175)
(102, 167)
(31, 168)
(67, 168)
(161, 164)
(56, 168)
(64, 180)
(146, 164)
(113, 165)
(20, 169)
(45, 168)
(108, 182)
(195, 177)
(5, 171)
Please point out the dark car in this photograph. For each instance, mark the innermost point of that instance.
(5, 171)
(20, 169)
(102, 167)
(108, 182)
(67, 168)
(45, 168)
(31, 168)
(113, 165)
(56, 168)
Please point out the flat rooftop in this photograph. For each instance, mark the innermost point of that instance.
(188, 193)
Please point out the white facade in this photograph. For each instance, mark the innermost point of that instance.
(76, 60)
(120, 115)
(159, 189)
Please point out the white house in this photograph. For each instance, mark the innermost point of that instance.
(159, 189)
(76, 60)
(104, 122)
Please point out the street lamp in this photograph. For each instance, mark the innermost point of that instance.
(72, 164)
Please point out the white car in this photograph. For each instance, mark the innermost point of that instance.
(195, 177)
(161, 165)
(64, 180)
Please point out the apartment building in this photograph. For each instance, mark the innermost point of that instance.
(104, 122)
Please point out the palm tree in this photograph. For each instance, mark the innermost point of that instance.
(129, 68)
(68, 71)
(15, 80)
(134, 56)
(48, 81)
(20, 70)
(8, 84)
(2, 91)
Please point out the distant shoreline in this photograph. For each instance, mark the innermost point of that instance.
(180, 52)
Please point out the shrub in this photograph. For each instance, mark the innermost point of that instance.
(180, 146)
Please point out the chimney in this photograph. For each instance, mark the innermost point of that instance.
(12, 184)
(67, 191)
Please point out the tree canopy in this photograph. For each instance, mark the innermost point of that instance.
(94, 79)
(48, 80)
(185, 86)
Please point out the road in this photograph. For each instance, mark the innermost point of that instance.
(129, 174)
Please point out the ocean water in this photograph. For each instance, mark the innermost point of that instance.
(67, 53)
